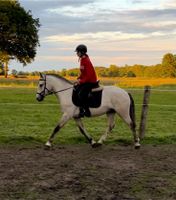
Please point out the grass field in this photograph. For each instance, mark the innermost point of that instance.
(26, 121)
(71, 170)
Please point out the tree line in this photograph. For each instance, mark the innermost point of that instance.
(166, 69)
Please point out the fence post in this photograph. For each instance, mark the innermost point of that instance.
(144, 112)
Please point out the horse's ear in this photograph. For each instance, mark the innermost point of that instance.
(41, 75)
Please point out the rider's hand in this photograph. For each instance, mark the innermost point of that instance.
(76, 83)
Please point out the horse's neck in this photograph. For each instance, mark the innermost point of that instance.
(58, 84)
(59, 87)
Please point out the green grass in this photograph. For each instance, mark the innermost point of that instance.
(23, 120)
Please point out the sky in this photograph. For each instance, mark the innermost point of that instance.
(120, 32)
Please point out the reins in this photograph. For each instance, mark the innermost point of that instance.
(61, 90)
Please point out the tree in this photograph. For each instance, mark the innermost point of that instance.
(113, 71)
(131, 74)
(4, 58)
(101, 71)
(18, 33)
(63, 72)
(1, 68)
(169, 65)
(72, 72)
(138, 70)
(14, 72)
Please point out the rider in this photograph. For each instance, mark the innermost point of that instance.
(86, 80)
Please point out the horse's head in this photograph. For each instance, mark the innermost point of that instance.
(43, 89)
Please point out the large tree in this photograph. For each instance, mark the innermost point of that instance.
(18, 33)
(169, 65)
(1, 68)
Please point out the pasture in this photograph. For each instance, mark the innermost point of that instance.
(72, 170)
(24, 120)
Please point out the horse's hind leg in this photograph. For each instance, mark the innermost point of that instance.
(132, 126)
(83, 131)
(64, 119)
(111, 125)
(136, 138)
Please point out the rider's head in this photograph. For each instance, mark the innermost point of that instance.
(81, 50)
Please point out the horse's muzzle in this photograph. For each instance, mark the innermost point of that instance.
(39, 97)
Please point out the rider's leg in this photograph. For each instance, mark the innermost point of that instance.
(83, 96)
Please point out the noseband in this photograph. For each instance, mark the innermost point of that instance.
(43, 93)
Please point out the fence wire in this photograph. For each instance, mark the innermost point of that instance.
(129, 89)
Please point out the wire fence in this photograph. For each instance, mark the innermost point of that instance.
(55, 104)
(129, 89)
(156, 90)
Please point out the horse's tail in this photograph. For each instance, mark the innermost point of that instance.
(132, 112)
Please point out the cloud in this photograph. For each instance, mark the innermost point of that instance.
(94, 37)
(71, 17)
(169, 4)
(113, 30)
(138, 1)
(103, 37)
(41, 5)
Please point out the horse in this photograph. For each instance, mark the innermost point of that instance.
(115, 100)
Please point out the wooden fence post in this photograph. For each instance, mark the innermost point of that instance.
(144, 112)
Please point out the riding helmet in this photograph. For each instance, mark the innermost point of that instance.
(81, 48)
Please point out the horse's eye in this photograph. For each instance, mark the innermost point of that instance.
(40, 85)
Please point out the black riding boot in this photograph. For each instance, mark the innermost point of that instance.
(84, 112)
(87, 112)
(81, 112)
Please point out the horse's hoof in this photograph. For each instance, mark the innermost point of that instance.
(95, 145)
(47, 146)
(137, 147)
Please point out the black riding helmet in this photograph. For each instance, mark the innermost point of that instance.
(81, 48)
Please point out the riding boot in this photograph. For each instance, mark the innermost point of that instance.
(87, 112)
(81, 112)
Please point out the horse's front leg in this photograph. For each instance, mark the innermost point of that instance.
(84, 132)
(64, 119)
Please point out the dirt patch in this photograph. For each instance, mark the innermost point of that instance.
(76, 172)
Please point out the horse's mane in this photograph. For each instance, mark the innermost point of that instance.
(60, 77)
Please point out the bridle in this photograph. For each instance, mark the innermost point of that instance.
(43, 93)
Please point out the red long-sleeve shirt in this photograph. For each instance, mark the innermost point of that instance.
(88, 74)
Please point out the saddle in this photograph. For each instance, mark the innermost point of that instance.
(94, 97)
